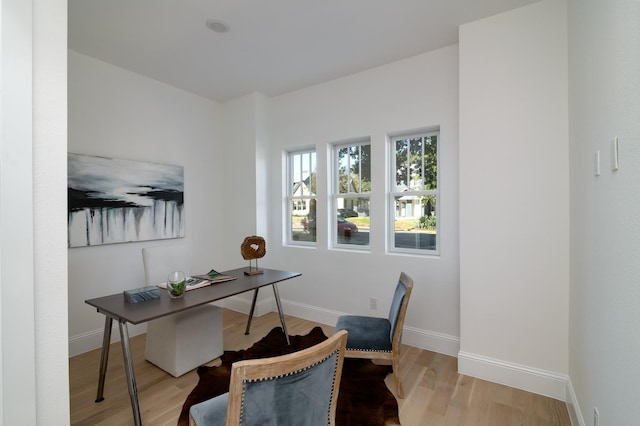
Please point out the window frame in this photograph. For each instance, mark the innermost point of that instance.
(290, 196)
(336, 194)
(393, 191)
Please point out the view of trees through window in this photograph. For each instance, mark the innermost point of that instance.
(302, 196)
(351, 193)
(412, 198)
(415, 193)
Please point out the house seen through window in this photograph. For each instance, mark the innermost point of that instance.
(301, 197)
(413, 198)
(351, 194)
(413, 195)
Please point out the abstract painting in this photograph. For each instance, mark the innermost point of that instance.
(117, 201)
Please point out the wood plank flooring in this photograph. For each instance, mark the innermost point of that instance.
(436, 393)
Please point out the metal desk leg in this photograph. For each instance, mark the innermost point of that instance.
(253, 307)
(104, 357)
(284, 326)
(128, 366)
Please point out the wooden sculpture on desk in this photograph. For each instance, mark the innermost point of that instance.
(253, 248)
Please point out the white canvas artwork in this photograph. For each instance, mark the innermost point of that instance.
(116, 201)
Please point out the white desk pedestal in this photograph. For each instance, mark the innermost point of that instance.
(181, 342)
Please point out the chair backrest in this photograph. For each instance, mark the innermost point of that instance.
(159, 261)
(398, 308)
(299, 388)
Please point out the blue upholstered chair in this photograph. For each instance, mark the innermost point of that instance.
(379, 338)
(299, 388)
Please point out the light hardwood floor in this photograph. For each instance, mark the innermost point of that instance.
(436, 393)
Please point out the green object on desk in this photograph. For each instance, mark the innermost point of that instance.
(213, 273)
(177, 289)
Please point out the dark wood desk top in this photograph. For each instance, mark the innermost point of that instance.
(135, 313)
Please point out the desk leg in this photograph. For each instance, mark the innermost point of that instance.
(128, 366)
(104, 357)
(284, 326)
(253, 307)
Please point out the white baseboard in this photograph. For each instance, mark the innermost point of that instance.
(240, 304)
(91, 340)
(310, 313)
(431, 341)
(530, 379)
(575, 414)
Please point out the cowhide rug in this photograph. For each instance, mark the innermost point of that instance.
(364, 398)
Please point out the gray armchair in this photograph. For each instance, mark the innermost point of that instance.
(379, 338)
(299, 388)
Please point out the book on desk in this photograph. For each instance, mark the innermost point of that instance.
(199, 281)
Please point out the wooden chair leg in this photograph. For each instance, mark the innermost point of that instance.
(395, 362)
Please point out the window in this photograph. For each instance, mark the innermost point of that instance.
(301, 197)
(351, 193)
(413, 198)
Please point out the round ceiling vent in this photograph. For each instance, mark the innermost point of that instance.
(217, 25)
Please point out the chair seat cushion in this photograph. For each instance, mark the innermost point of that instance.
(366, 333)
(212, 412)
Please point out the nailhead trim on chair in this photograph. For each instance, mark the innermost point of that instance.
(366, 350)
(262, 379)
(333, 383)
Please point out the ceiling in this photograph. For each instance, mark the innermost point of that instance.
(273, 46)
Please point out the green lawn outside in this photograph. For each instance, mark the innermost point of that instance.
(400, 225)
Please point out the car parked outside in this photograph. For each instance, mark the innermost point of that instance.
(347, 213)
(345, 228)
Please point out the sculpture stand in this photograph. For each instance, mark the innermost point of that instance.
(255, 271)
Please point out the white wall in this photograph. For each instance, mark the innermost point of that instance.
(119, 114)
(49, 190)
(418, 92)
(33, 259)
(246, 199)
(245, 178)
(16, 213)
(604, 75)
(514, 198)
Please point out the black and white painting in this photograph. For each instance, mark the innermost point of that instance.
(117, 201)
